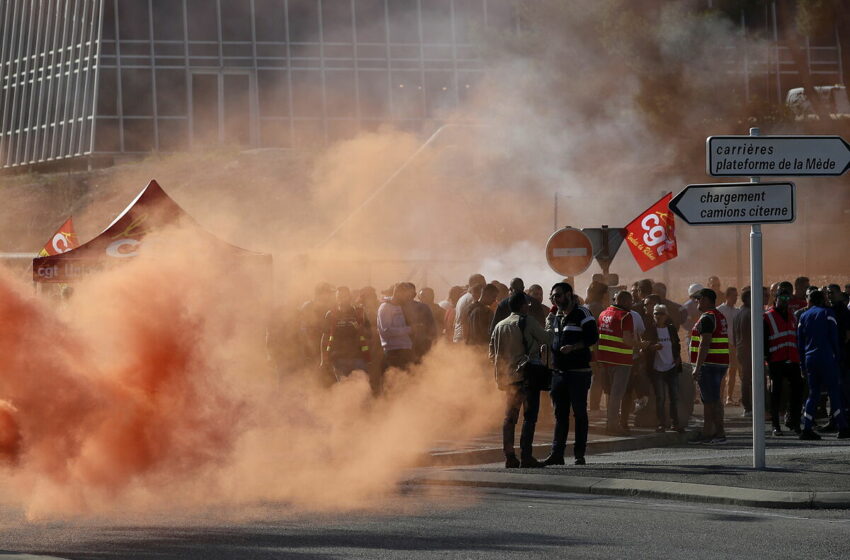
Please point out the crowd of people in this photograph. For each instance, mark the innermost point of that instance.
(631, 348)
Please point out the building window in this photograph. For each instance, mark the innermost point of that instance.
(235, 20)
(171, 93)
(203, 20)
(270, 20)
(133, 22)
(136, 92)
(168, 20)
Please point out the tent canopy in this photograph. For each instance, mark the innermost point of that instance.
(150, 211)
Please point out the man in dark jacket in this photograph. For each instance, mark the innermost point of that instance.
(574, 331)
(664, 362)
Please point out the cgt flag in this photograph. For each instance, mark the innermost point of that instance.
(62, 241)
(652, 235)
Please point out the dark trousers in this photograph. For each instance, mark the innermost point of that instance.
(745, 366)
(601, 383)
(820, 373)
(778, 372)
(666, 383)
(520, 396)
(569, 391)
(401, 359)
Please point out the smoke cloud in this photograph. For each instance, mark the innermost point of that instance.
(153, 384)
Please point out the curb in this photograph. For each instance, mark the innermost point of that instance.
(610, 445)
(681, 491)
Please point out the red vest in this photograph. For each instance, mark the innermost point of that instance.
(781, 337)
(718, 352)
(612, 349)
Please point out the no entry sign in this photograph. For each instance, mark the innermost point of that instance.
(569, 252)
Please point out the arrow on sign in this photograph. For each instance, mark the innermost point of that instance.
(735, 203)
(789, 156)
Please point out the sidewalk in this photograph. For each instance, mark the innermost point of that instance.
(799, 474)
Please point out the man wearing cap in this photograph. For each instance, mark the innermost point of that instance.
(709, 352)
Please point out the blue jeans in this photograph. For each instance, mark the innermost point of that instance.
(664, 383)
(710, 380)
(569, 390)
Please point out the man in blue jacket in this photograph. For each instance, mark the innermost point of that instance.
(574, 331)
(817, 336)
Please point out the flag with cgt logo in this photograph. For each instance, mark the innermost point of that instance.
(62, 241)
(652, 235)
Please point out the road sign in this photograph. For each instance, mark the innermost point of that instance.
(735, 203)
(569, 252)
(788, 156)
(606, 241)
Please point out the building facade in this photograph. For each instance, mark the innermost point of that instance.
(114, 77)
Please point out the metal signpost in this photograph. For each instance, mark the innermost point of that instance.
(757, 203)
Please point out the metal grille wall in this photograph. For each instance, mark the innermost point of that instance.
(48, 79)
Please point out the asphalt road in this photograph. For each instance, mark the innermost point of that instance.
(450, 523)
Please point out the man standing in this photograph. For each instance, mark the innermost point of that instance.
(817, 334)
(573, 330)
(783, 359)
(664, 362)
(345, 340)
(517, 286)
(477, 327)
(464, 302)
(730, 311)
(743, 351)
(614, 354)
(394, 330)
(842, 315)
(709, 352)
(516, 339)
(798, 301)
(689, 310)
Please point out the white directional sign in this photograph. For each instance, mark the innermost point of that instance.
(789, 156)
(735, 203)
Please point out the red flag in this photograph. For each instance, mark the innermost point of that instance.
(652, 235)
(62, 241)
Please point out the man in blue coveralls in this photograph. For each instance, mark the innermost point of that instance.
(817, 338)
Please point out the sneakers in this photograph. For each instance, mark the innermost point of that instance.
(511, 462)
(530, 463)
(777, 432)
(809, 435)
(700, 439)
(580, 461)
(553, 459)
(829, 428)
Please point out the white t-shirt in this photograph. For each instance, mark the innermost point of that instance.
(640, 328)
(664, 358)
(465, 301)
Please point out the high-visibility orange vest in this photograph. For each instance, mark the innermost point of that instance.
(781, 337)
(612, 349)
(718, 352)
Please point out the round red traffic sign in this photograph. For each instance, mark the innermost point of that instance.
(569, 251)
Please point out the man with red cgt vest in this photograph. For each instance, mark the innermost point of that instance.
(709, 349)
(614, 354)
(783, 358)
